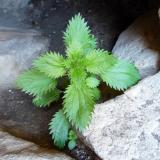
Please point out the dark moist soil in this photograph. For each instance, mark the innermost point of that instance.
(106, 22)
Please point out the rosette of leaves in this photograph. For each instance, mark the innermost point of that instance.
(85, 66)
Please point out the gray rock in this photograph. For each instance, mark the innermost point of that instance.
(21, 118)
(140, 44)
(13, 4)
(128, 127)
(18, 48)
(13, 13)
(12, 148)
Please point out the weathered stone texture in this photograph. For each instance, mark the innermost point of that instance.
(140, 44)
(128, 127)
(12, 148)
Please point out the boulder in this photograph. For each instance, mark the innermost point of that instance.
(18, 48)
(13, 5)
(21, 118)
(12, 148)
(140, 44)
(13, 13)
(128, 126)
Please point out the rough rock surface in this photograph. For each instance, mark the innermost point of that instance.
(140, 44)
(13, 12)
(13, 4)
(12, 148)
(20, 117)
(18, 48)
(128, 127)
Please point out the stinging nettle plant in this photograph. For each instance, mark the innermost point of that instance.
(85, 66)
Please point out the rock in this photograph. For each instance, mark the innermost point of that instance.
(128, 126)
(13, 13)
(140, 44)
(18, 48)
(21, 118)
(15, 5)
(12, 148)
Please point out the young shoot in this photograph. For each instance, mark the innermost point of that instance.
(86, 66)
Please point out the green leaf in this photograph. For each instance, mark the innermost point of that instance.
(96, 94)
(92, 82)
(98, 61)
(72, 135)
(35, 83)
(79, 104)
(121, 75)
(45, 99)
(72, 144)
(59, 128)
(78, 37)
(52, 64)
(72, 139)
(77, 76)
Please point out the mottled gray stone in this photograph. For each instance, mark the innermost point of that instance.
(140, 44)
(12, 148)
(13, 4)
(18, 48)
(14, 13)
(21, 118)
(128, 126)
